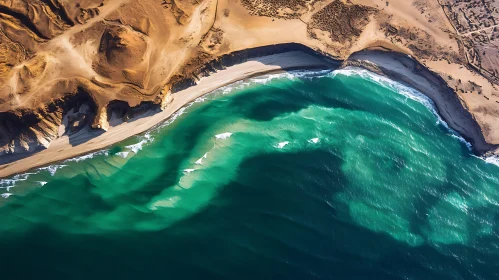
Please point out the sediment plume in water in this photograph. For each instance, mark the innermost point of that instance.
(290, 175)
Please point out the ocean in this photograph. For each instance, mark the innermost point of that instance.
(300, 175)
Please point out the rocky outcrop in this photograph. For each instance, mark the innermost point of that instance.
(66, 66)
(24, 131)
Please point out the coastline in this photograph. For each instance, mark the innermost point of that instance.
(61, 148)
(404, 69)
(395, 66)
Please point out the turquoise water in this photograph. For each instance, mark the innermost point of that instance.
(303, 175)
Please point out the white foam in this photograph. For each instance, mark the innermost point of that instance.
(387, 83)
(175, 115)
(223, 135)
(231, 87)
(401, 89)
(189, 170)
(42, 183)
(7, 187)
(291, 75)
(52, 169)
(314, 140)
(265, 79)
(282, 144)
(200, 161)
(393, 85)
(137, 147)
(492, 160)
(89, 156)
(9, 183)
(454, 134)
(22, 177)
(148, 137)
(6, 195)
(123, 154)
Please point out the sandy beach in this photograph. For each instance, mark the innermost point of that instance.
(288, 139)
(396, 66)
(61, 148)
(131, 52)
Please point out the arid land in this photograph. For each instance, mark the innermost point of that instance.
(74, 75)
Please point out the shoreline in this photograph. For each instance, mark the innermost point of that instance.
(61, 148)
(405, 70)
(395, 66)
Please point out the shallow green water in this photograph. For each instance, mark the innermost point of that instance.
(303, 175)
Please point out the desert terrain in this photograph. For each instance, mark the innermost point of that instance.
(69, 67)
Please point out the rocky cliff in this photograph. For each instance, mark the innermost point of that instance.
(68, 65)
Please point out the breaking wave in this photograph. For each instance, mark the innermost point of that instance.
(492, 160)
(282, 144)
(223, 135)
(342, 166)
(52, 169)
(404, 90)
(200, 160)
(89, 156)
(314, 140)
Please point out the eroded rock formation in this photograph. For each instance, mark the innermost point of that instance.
(68, 65)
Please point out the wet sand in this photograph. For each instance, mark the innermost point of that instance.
(61, 148)
(398, 67)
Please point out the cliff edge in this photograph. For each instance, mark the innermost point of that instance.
(73, 65)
